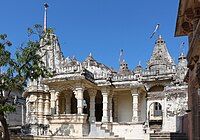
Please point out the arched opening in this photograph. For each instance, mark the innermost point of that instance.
(157, 109)
(62, 103)
(155, 116)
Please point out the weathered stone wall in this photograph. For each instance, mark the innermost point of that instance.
(124, 107)
(15, 118)
(72, 130)
(175, 109)
(129, 131)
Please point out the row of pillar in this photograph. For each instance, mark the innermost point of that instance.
(107, 105)
(44, 105)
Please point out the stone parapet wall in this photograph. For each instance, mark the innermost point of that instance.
(67, 118)
(68, 125)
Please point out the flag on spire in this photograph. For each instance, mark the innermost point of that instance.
(155, 30)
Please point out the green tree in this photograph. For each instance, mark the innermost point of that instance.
(26, 64)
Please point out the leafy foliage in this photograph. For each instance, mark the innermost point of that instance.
(27, 63)
(7, 108)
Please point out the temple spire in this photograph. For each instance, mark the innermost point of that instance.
(123, 67)
(160, 58)
(45, 16)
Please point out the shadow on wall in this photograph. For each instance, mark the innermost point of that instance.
(184, 127)
(64, 130)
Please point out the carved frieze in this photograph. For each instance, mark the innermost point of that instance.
(197, 12)
(176, 103)
(187, 26)
(189, 14)
(155, 95)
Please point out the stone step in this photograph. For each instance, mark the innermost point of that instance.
(99, 131)
(108, 131)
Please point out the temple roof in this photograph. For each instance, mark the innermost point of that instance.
(160, 58)
(123, 69)
(90, 61)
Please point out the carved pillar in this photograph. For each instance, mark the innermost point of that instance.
(135, 95)
(79, 96)
(52, 102)
(92, 94)
(105, 93)
(27, 110)
(23, 116)
(115, 100)
(40, 108)
(46, 108)
(110, 107)
(57, 103)
(68, 103)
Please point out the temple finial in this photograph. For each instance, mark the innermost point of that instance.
(139, 64)
(45, 16)
(182, 48)
(121, 56)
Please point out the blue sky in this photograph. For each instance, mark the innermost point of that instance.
(101, 27)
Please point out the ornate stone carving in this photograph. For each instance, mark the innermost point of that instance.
(189, 14)
(195, 58)
(155, 95)
(197, 12)
(176, 103)
(32, 98)
(187, 26)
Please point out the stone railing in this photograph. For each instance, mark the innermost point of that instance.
(35, 86)
(71, 69)
(102, 75)
(158, 72)
(123, 77)
(67, 118)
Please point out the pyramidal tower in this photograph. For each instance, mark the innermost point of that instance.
(53, 56)
(160, 59)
